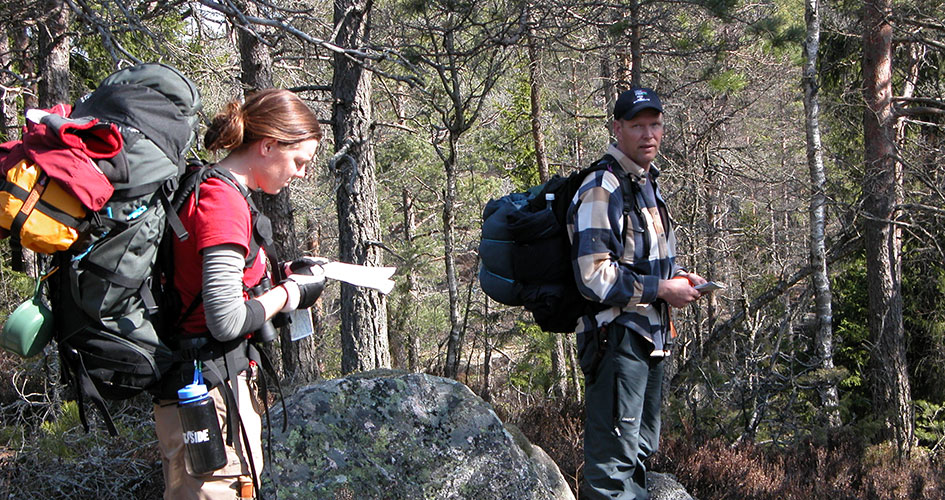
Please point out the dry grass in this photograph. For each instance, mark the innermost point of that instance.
(45, 453)
(557, 429)
(839, 468)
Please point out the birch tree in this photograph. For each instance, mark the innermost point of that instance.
(823, 336)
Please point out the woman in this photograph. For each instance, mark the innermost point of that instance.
(269, 140)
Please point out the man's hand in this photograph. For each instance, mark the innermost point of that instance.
(694, 279)
(678, 292)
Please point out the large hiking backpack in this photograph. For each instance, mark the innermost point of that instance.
(102, 293)
(525, 253)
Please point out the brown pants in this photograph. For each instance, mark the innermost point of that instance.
(220, 484)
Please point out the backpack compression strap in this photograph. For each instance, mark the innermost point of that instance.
(33, 200)
(73, 368)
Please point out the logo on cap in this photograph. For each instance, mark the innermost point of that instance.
(641, 96)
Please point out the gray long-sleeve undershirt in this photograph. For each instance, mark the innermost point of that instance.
(227, 313)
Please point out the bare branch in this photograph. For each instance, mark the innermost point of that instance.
(938, 103)
(847, 243)
(359, 55)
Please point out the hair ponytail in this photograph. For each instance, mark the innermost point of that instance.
(226, 129)
(271, 113)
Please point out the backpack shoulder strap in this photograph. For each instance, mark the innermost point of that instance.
(606, 162)
(262, 226)
(628, 187)
(190, 185)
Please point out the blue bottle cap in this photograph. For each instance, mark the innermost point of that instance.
(192, 392)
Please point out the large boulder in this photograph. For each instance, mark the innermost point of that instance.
(665, 487)
(394, 435)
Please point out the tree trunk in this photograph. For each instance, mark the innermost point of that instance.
(882, 188)
(608, 86)
(559, 367)
(8, 108)
(454, 344)
(713, 195)
(636, 57)
(486, 391)
(558, 361)
(402, 350)
(21, 42)
(410, 333)
(574, 381)
(535, 88)
(255, 60)
(364, 343)
(313, 231)
(823, 335)
(54, 47)
(915, 62)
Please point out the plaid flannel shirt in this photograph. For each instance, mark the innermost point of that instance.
(617, 268)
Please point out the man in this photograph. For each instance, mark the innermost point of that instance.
(623, 250)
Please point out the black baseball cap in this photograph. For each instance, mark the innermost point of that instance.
(632, 101)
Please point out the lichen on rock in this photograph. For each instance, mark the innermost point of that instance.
(394, 435)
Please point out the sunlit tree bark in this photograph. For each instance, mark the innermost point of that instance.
(882, 188)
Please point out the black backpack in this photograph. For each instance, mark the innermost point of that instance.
(103, 294)
(525, 253)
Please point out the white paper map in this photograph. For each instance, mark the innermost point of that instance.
(377, 278)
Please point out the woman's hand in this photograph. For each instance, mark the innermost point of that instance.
(304, 283)
(304, 265)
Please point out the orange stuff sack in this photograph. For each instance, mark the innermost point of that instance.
(37, 210)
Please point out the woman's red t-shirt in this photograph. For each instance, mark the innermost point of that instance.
(221, 216)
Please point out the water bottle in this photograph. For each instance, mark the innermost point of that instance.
(549, 199)
(203, 441)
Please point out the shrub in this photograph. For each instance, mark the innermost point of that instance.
(840, 467)
(558, 428)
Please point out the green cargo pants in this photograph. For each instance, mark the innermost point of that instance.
(622, 426)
